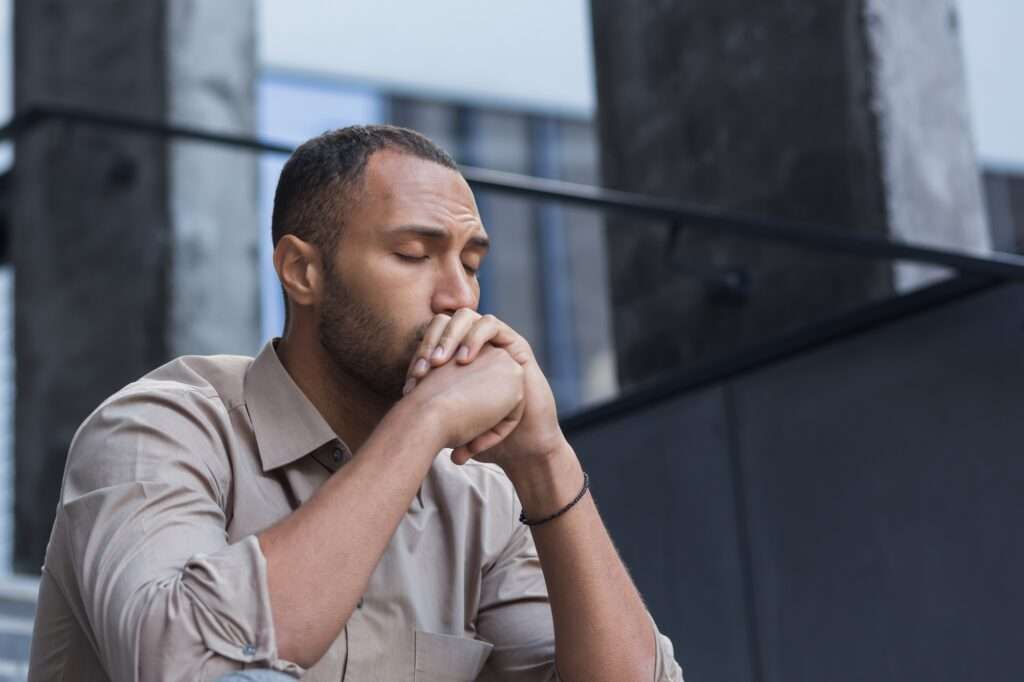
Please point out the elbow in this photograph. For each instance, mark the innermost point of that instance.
(630, 664)
(293, 649)
(299, 641)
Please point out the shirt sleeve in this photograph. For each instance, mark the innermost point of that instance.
(165, 595)
(515, 616)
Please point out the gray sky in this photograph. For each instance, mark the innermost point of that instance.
(993, 42)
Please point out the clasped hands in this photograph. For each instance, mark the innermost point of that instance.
(496, 403)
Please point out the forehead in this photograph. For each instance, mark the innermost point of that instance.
(400, 187)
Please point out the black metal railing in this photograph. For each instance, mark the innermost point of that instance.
(814, 236)
(973, 271)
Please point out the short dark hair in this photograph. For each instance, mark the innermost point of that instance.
(317, 181)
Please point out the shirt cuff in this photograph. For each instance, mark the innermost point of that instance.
(231, 604)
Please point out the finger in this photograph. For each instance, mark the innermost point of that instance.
(490, 438)
(479, 446)
(484, 442)
(461, 455)
(461, 322)
(420, 362)
(511, 341)
(485, 329)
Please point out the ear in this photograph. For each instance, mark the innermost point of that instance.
(299, 269)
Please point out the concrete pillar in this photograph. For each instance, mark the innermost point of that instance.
(842, 112)
(213, 191)
(104, 222)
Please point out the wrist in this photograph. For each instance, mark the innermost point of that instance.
(546, 484)
(412, 414)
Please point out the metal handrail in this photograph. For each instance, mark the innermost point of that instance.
(1003, 266)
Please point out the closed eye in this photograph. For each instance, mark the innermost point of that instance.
(419, 259)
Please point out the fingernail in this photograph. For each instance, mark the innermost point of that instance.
(463, 352)
(439, 352)
(420, 367)
(408, 385)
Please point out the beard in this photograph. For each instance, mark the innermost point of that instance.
(360, 342)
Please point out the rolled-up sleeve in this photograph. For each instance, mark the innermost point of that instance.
(143, 505)
(515, 616)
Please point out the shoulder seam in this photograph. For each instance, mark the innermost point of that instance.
(173, 387)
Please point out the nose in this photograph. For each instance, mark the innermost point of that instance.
(454, 289)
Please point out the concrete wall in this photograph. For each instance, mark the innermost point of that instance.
(851, 513)
(211, 65)
(932, 186)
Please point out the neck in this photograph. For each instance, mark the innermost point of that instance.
(348, 406)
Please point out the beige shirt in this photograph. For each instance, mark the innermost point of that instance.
(154, 571)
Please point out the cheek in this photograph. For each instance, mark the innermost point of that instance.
(402, 294)
(378, 278)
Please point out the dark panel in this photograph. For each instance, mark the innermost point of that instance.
(1015, 185)
(998, 189)
(661, 477)
(885, 477)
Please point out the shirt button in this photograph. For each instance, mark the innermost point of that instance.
(249, 650)
(337, 455)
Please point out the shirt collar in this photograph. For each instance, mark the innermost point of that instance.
(286, 424)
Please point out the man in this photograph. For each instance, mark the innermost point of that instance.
(291, 512)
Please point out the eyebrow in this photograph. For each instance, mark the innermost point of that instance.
(440, 233)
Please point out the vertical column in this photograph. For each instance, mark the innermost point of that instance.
(91, 234)
(839, 112)
(126, 249)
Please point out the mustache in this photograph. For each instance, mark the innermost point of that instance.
(421, 331)
(416, 340)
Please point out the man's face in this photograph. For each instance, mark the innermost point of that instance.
(410, 249)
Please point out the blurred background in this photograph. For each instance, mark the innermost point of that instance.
(785, 337)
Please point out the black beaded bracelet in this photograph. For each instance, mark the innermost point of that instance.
(583, 491)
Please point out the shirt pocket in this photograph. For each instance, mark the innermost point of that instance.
(446, 658)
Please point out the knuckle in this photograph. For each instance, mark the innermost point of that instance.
(477, 333)
(439, 322)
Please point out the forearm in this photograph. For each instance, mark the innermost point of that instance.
(337, 537)
(602, 631)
